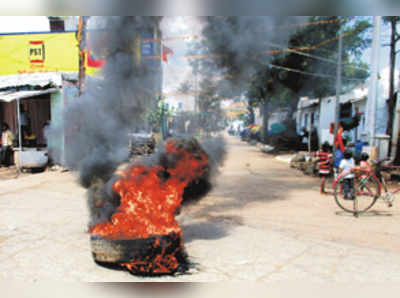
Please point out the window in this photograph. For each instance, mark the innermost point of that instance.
(345, 110)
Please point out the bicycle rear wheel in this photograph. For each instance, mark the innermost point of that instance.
(364, 195)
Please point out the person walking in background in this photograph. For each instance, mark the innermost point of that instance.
(346, 165)
(338, 141)
(7, 139)
(324, 157)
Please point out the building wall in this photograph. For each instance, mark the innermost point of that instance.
(327, 116)
(58, 102)
(55, 143)
(258, 117)
(181, 102)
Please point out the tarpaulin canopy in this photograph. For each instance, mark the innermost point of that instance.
(255, 128)
(37, 80)
(9, 96)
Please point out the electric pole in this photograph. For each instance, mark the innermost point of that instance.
(338, 83)
(372, 103)
(82, 52)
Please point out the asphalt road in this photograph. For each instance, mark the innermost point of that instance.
(262, 221)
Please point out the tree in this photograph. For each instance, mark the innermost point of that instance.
(158, 115)
(210, 113)
(393, 21)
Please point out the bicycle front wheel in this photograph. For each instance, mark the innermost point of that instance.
(362, 196)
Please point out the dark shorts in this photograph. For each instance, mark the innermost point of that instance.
(323, 175)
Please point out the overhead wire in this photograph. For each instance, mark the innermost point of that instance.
(311, 73)
(290, 50)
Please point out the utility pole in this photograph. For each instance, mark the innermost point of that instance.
(196, 101)
(372, 103)
(338, 83)
(82, 52)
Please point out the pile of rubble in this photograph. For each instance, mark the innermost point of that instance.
(305, 162)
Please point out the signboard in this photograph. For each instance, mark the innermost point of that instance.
(58, 52)
(33, 52)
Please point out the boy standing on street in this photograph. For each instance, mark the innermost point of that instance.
(346, 165)
(324, 164)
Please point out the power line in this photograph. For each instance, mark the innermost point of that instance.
(304, 48)
(316, 57)
(310, 73)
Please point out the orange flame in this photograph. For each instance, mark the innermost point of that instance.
(148, 204)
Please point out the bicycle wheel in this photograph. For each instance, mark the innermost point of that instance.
(362, 198)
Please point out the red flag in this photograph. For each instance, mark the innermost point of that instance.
(165, 52)
(93, 62)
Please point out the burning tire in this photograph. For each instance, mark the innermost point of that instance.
(141, 235)
(152, 256)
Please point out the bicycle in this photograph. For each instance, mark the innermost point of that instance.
(368, 186)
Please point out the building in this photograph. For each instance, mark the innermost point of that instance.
(44, 82)
(320, 114)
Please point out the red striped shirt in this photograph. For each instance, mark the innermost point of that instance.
(324, 162)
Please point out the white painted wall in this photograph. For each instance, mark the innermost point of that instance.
(181, 102)
(258, 118)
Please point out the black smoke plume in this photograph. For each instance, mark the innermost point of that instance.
(113, 105)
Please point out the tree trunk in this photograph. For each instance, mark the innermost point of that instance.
(391, 102)
(264, 136)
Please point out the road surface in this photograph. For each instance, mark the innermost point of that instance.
(262, 221)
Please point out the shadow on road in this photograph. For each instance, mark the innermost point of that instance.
(217, 227)
(249, 176)
(366, 214)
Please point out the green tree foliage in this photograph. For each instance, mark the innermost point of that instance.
(159, 113)
(209, 105)
(355, 40)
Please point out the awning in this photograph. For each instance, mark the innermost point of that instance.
(9, 96)
(38, 80)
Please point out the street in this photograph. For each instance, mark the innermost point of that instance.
(263, 221)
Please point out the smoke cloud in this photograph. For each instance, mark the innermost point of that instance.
(98, 124)
(239, 45)
(113, 105)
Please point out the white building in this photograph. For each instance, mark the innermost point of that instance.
(180, 102)
(322, 114)
(307, 114)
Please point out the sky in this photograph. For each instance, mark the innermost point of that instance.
(177, 70)
(10, 24)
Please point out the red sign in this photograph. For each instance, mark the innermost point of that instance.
(36, 53)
